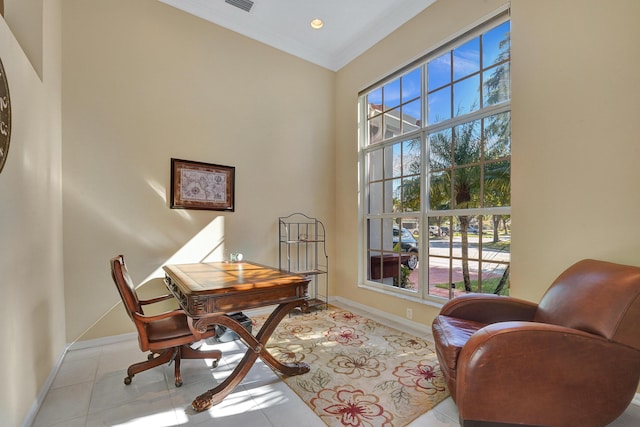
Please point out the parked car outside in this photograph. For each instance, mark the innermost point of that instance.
(408, 243)
(441, 232)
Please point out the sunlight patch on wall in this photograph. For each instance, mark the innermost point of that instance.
(206, 246)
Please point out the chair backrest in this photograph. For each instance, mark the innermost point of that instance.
(598, 297)
(123, 282)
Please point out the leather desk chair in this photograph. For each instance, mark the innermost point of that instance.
(571, 360)
(168, 336)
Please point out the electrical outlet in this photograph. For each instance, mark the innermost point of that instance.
(409, 313)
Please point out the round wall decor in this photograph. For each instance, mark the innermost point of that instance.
(5, 117)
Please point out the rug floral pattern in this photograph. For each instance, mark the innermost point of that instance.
(363, 373)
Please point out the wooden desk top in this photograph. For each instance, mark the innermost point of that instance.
(215, 287)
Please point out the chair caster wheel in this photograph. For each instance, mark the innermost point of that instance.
(215, 364)
(127, 380)
(150, 356)
(178, 383)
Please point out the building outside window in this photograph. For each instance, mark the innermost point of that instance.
(436, 170)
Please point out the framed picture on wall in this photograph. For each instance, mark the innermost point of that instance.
(197, 185)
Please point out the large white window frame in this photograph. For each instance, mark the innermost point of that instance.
(397, 129)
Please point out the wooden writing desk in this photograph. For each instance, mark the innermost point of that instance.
(208, 291)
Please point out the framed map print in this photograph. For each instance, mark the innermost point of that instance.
(197, 185)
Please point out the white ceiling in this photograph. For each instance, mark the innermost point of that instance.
(351, 26)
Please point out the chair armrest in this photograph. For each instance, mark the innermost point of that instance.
(144, 318)
(513, 367)
(156, 299)
(489, 308)
(198, 335)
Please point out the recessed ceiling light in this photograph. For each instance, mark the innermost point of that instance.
(316, 24)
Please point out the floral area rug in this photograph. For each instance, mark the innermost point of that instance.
(362, 373)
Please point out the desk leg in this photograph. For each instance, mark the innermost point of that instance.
(256, 348)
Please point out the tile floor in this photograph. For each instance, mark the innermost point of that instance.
(89, 391)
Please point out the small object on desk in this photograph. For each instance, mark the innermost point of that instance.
(236, 257)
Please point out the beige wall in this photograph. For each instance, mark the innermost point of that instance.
(575, 134)
(575, 137)
(27, 22)
(32, 313)
(144, 82)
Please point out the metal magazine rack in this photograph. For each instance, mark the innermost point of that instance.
(302, 250)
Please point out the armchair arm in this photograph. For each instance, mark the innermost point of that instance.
(489, 308)
(144, 318)
(531, 373)
(156, 299)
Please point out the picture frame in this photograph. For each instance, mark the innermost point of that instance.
(198, 185)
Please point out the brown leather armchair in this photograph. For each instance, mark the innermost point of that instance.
(168, 336)
(571, 360)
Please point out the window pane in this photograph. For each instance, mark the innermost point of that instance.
(496, 256)
(439, 72)
(374, 164)
(495, 44)
(497, 136)
(411, 85)
(440, 150)
(375, 130)
(466, 95)
(391, 94)
(439, 231)
(496, 85)
(440, 190)
(411, 194)
(405, 247)
(411, 157)
(397, 159)
(389, 171)
(374, 227)
(439, 105)
(387, 234)
(397, 195)
(497, 184)
(376, 198)
(466, 148)
(374, 234)
(495, 278)
(374, 102)
(471, 284)
(466, 59)
(411, 116)
(466, 187)
(392, 123)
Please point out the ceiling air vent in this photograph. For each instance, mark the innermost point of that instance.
(245, 5)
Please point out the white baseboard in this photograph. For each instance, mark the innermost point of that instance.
(97, 342)
(35, 406)
(416, 328)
